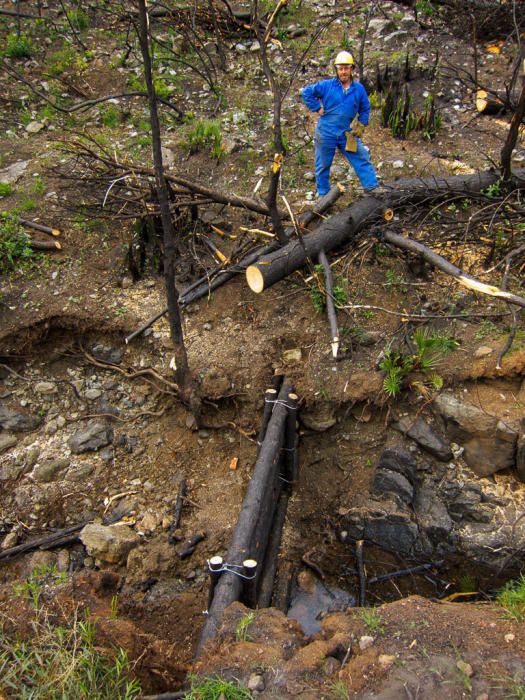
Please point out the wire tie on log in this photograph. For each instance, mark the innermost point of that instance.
(231, 569)
(280, 401)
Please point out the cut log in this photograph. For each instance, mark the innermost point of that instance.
(40, 227)
(345, 226)
(45, 245)
(489, 103)
(252, 518)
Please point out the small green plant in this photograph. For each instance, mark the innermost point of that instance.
(6, 189)
(40, 576)
(241, 630)
(486, 328)
(513, 686)
(429, 348)
(216, 689)
(15, 244)
(18, 46)
(37, 186)
(110, 116)
(425, 7)
(494, 190)
(114, 608)
(375, 100)
(402, 119)
(512, 599)
(394, 279)
(78, 19)
(301, 157)
(339, 691)
(27, 204)
(206, 134)
(372, 619)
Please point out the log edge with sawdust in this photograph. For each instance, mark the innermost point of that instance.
(345, 225)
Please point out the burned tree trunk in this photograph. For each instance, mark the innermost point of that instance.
(182, 372)
(345, 226)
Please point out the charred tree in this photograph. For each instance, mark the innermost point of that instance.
(182, 371)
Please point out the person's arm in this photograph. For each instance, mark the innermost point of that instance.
(312, 96)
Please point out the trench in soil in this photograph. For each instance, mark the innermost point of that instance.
(152, 452)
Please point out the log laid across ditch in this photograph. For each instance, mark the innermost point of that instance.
(248, 572)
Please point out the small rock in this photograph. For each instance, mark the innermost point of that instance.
(465, 668)
(386, 661)
(91, 437)
(509, 637)
(10, 540)
(331, 666)
(46, 388)
(109, 543)
(292, 356)
(46, 471)
(256, 682)
(92, 394)
(34, 127)
(7, 441)
(365, 642)
(396, 37)
(309, 176)
(149, 522)
(483, 351)
(207, 326)
(398, 164)
(126, 282)
(13, 172)
(79, 472)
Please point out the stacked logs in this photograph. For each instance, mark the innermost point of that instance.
(247, 574)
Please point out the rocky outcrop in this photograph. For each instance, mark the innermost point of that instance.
(415, 511)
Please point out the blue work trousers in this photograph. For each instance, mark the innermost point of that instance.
(360, 161)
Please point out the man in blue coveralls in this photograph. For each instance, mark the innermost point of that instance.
(344, 109)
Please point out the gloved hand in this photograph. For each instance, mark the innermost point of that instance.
(358, 130)
(351, 142)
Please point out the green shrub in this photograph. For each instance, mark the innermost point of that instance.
(18, 46)
(402, 119)
(109, 115)
(15, 244)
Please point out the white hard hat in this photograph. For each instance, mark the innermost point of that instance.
(344, 58)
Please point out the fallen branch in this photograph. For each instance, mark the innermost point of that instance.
(405, 572)
(361, 572)
(177, 512)
(330, 306)
(448, 268)
(56, 539)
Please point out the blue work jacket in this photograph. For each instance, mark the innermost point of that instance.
(340, 109)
